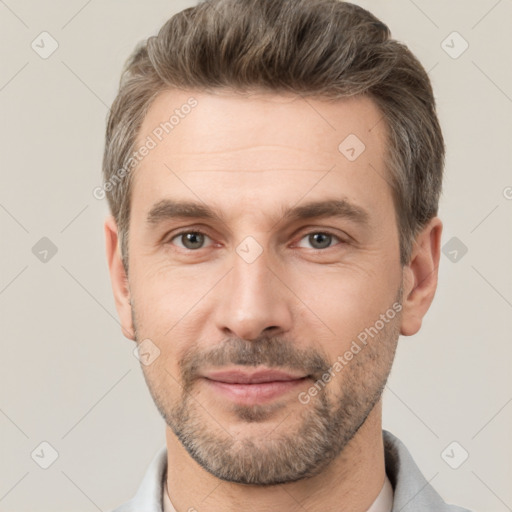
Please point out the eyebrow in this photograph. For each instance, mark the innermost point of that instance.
(340, 208)
(168, 209)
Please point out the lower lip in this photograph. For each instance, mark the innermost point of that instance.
(250, 394)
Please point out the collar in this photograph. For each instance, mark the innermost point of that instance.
(383, 502)
(412, 492)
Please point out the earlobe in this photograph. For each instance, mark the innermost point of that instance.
(420, 277)
(118, 278)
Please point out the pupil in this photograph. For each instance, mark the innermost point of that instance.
(321, 239)
(192, 240)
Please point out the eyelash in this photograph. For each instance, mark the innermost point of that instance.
(201, 232)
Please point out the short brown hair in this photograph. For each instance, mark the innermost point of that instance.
(323, 48)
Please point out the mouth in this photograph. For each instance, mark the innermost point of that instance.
(251, 388)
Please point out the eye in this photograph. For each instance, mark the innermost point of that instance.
(190, 240)
(320, 240)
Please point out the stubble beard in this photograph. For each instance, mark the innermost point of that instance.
(303, 443)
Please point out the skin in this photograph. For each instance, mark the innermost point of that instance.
(251, 157)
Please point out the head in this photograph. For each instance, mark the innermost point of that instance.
(273, 169)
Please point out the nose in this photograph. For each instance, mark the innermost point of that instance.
(252, 301)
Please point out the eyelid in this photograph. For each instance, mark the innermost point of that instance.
(340, 238)
(343, 239)
(169, 238)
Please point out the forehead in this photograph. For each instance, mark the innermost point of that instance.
(276, 146)
(222, 119)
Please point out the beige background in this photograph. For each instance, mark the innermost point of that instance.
(69, 378)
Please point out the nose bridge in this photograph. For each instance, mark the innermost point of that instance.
(251, 275)
(251, 298)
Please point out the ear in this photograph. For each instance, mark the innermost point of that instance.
(118, 278)
(420, 277)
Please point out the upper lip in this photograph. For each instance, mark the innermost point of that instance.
(255, 377)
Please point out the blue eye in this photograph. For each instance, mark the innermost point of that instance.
(320, 240)
(191, 240)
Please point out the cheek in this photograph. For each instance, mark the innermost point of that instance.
(169, 310)
(164, 293)
(343, 302)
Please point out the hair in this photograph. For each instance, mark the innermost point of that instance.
(316, 48)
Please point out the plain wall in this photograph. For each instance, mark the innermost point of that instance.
(69, 377)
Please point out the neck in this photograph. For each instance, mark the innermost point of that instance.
(351, 483)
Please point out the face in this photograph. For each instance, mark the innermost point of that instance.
(265, 268)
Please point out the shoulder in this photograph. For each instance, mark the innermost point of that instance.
(149, 494)
(412, 492)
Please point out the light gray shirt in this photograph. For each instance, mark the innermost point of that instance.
(411, 491)
(383, 502)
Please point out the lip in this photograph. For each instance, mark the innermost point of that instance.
(250, 388)
(255, 377)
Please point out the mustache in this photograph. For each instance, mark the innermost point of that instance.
(268, 351)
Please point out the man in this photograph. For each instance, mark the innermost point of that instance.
(273, 169)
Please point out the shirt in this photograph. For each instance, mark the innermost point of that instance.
(410, 491)
(382, 503)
